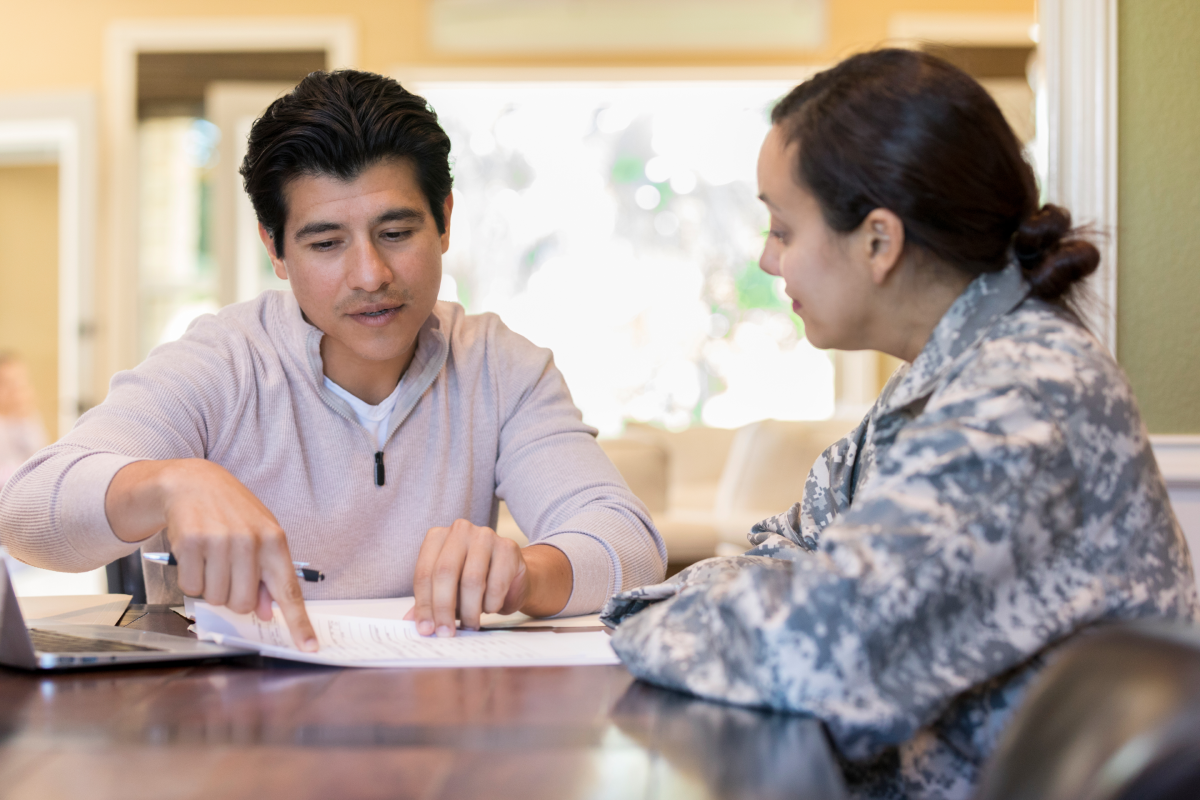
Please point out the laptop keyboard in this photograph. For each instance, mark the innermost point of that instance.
(55, 642)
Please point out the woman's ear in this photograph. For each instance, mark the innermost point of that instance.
(883, 238)
(276, 262)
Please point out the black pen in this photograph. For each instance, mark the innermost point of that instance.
(302, 569)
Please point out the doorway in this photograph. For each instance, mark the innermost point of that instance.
(29, 279)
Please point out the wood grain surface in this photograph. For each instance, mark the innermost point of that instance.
(257, 729)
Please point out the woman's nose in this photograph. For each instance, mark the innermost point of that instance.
(768, 262)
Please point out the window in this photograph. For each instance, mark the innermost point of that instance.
(178, 279)
(615, 223)
(618, 225)
(185, 161)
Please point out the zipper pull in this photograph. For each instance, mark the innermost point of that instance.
(379, 473)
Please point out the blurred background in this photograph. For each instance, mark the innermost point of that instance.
(603, 157)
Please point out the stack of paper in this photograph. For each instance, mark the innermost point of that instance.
(398, 607)
(350, 639)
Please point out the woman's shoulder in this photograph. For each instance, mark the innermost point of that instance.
(1043, 347)
(1059, 370)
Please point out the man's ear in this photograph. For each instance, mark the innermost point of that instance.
(883, 239)
(447, 208)
(276, 262)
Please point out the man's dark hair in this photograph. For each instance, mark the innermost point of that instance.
(339, 124)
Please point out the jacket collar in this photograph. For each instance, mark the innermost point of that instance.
(965, 323)
(433, 348)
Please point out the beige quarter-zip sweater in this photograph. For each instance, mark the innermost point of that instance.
(483, 415)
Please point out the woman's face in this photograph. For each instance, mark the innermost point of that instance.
(827, 286)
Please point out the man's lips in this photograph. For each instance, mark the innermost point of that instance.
(375, 308)
(376, 313)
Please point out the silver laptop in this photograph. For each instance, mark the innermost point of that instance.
(66, 646)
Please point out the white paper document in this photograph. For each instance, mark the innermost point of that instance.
(397, 607)
(348, 639)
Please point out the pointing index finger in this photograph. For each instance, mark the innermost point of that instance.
(281, 582)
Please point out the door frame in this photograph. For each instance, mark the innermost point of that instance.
(60, 128)
(1078, 44)
(234, 229)
(124, 40)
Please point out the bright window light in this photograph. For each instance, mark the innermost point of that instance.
(176, 276)
(618, 225)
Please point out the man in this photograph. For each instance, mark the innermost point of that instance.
(356, 423)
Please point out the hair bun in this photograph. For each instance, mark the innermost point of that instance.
(1051, 256)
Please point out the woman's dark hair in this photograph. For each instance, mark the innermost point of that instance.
(909, 132)
(339, 124)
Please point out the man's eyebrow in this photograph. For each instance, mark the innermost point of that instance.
(314, 228)
(401, 215)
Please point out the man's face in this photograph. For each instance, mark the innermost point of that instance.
(364, 259)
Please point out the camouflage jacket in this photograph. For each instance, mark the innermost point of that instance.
(1000, 495)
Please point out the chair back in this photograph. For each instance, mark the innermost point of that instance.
(766, 469)
(695, 458)
(644, 467)
(1116, 716)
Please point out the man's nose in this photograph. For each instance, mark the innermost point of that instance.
(368, 270)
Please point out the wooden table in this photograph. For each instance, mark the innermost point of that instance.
(265, 728)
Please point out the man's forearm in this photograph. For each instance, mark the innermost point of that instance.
(550, 578)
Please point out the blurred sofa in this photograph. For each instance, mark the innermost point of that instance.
(705, 487)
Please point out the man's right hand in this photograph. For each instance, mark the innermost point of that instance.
(230, 548)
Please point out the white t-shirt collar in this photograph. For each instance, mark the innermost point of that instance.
(373, 418)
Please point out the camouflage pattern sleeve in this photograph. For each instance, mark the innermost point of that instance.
(913, 597)
(1000, 496)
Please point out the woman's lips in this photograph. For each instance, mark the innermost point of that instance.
(376, 319)
(796, 306)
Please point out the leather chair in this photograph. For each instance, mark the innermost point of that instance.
(1115, 716)
(766, 469)
(125, 577)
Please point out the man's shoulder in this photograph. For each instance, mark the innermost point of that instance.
(239, 340)
(267, 310)
(483, 351)
(484, 335)
(263, 322)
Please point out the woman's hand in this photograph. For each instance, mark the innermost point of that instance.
(229, 547)
(466, 570)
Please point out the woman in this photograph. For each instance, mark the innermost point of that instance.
(1000, 495)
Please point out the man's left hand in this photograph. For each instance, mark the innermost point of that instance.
(466, 570)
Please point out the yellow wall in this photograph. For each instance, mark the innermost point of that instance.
(60, 44)
(29, 277)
